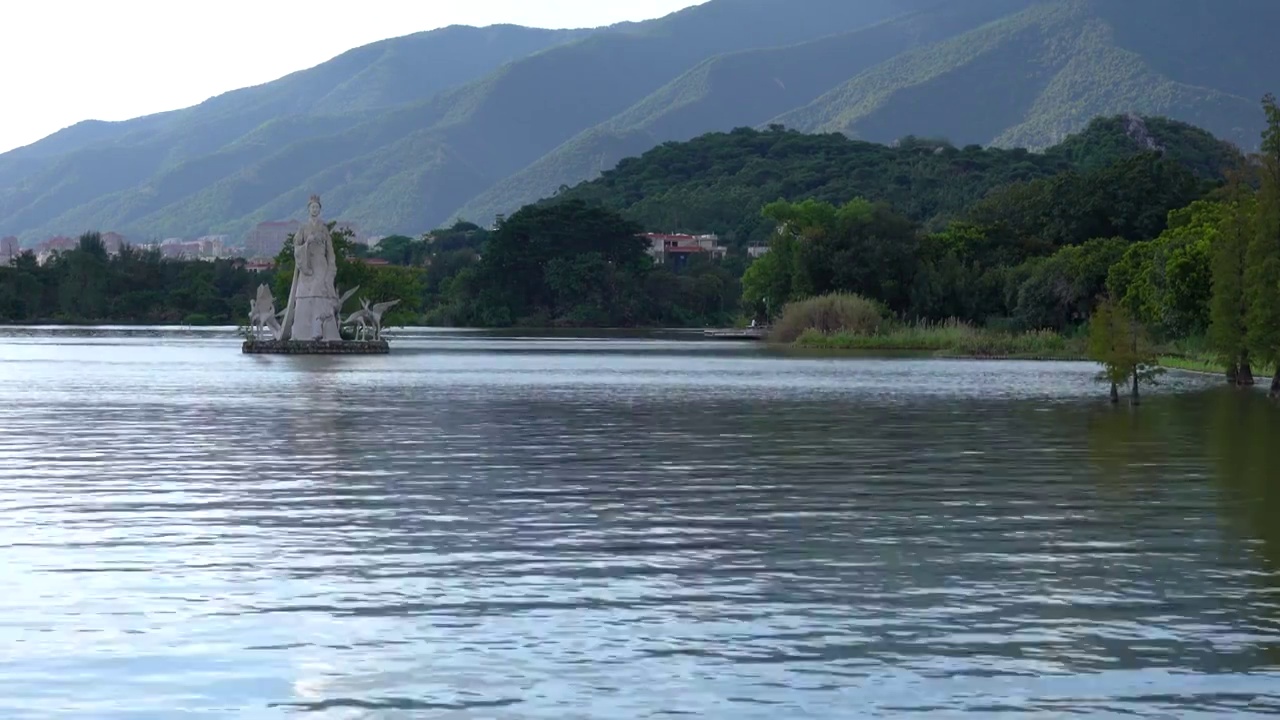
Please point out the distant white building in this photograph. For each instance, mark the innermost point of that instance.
(678, 248)
(214, 246)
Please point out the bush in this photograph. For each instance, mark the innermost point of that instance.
(828, 314)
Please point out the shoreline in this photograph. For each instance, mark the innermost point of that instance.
(1165, 361)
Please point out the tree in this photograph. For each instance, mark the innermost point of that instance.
(859, 247)
(1262, 275)
(1060, 290)
(540, 256)
(1119, 343)
(400, 250)
(1166, 283)
(766, 284)
(1228, 307)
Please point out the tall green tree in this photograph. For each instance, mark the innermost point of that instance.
(859, 247)
(1119, 343)
(1262, 276)
(1228, 307)
(1166, 282)
(560, 263)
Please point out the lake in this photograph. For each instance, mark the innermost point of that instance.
(485, 525)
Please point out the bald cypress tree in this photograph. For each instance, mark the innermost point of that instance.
(1228, 307)
(1262, 275)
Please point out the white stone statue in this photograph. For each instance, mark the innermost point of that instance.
(262, 314)
(337, 306)
(377, 311)
(310, 314)
(369, 318)
(362, 319)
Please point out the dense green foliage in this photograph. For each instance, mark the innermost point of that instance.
(572, 265)
(410, 133)
(1034, 254)
(86, 285)
(719, 182)
(1179, 259)
(1262, 256)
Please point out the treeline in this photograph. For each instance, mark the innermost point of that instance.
(1029, 256)
(568, 264)
(1174, 226)
(718, 182)
(1144, 245)
(135, 286)
(87, 285)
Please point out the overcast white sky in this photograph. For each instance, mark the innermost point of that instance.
(63, 61)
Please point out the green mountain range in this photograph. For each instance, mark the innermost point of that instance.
(409, 133)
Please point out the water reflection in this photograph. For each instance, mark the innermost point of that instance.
(562, 532)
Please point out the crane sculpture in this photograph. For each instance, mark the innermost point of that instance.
(262, 314)
(369, 318)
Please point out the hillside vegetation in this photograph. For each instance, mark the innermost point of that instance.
(409, 133)
(720, 181)
(1136, 238)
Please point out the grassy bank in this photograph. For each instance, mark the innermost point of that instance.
(958, 340)
(1209, 365)
(849, 322)
(950, 339)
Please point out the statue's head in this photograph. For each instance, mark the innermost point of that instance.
(313, 206)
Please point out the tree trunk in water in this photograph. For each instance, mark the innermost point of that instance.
(1115, 394)
(1233, 375)
(1133, 332)
(1275, 385)
(1244, 378)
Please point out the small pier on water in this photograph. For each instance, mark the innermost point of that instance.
(749, 333)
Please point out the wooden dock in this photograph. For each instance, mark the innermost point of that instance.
(755, 333)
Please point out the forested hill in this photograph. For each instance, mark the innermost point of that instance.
(404, 135)
(719, 182)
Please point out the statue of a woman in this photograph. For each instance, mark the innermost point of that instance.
(310, 314)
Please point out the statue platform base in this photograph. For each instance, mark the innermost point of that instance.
(315, 347)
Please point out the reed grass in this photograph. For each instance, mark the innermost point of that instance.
(828, 315)
(950, 337)
(851, 322)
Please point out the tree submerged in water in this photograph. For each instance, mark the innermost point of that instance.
(1121, 345)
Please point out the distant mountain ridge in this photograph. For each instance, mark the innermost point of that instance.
(408, 133)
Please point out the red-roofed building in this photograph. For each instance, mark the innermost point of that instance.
(677, 248)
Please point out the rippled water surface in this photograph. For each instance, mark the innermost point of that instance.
(482, 526)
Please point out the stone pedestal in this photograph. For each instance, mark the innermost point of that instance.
(315, 347)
